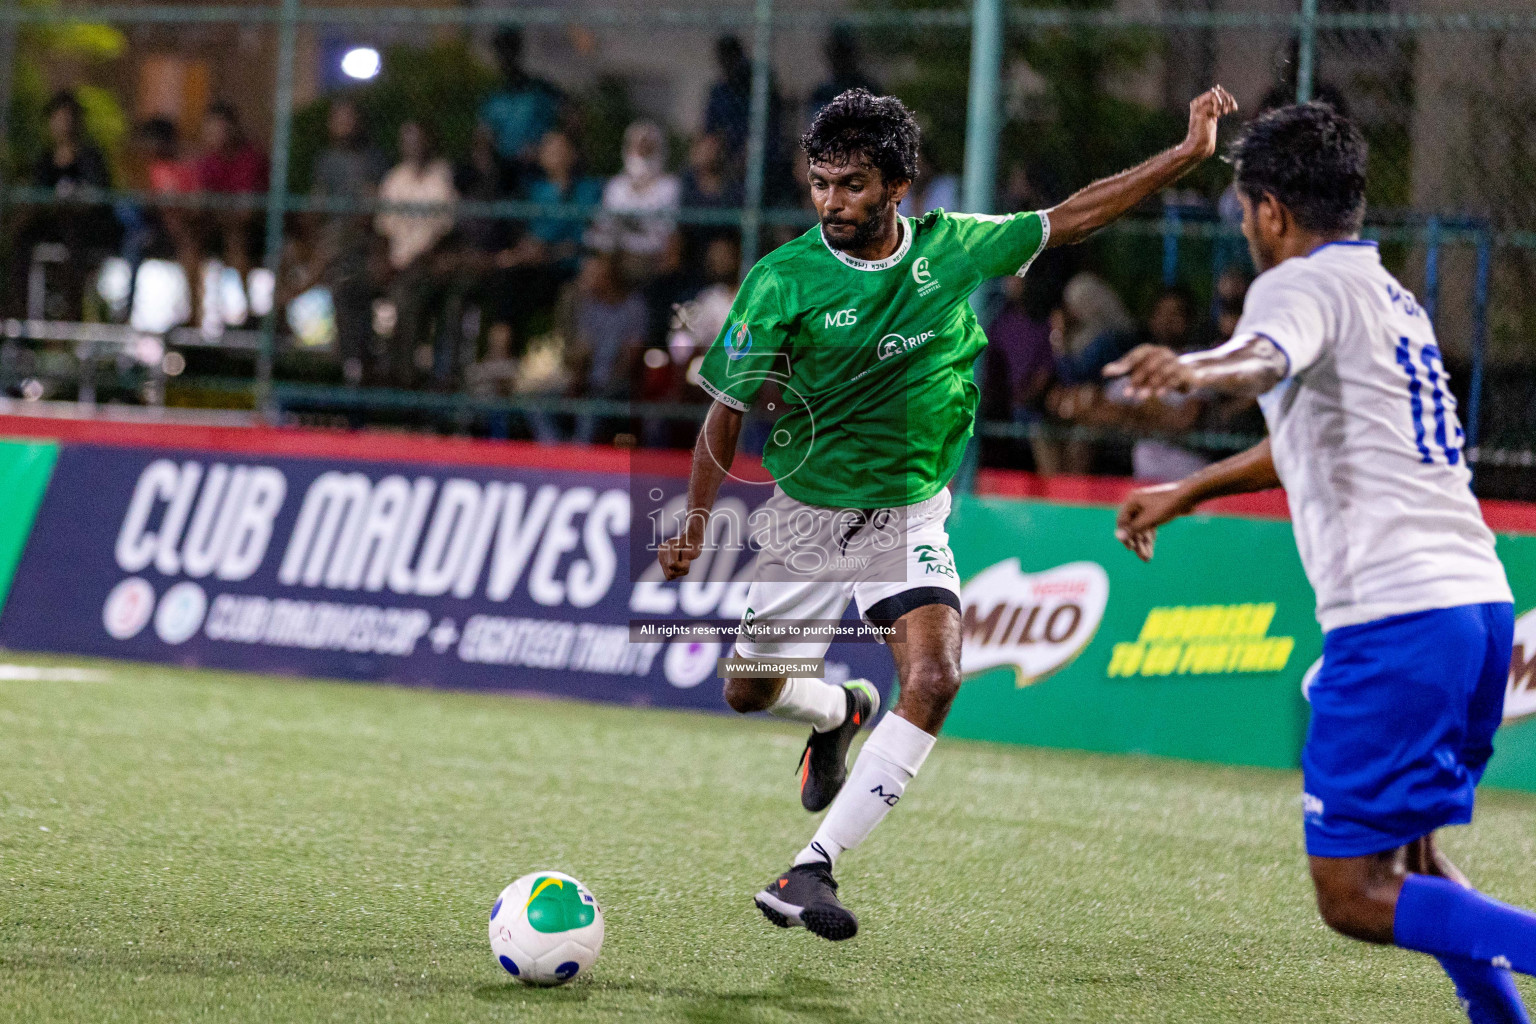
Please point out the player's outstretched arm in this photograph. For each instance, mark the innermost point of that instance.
(713, 454)
(1084, 212)
(1147, 508)
(1242, 368)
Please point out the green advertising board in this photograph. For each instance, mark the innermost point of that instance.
(1071, 641)
(25, 467)
(1514, 755)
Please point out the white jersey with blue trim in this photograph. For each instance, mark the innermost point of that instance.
(1366, 440)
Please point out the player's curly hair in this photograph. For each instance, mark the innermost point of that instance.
(857, 124)
(1311, 158)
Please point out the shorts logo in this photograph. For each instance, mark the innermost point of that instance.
(895, 344)
(738, 342)
(1311, 806)
(935, 560)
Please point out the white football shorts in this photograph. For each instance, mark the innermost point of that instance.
(812, 560)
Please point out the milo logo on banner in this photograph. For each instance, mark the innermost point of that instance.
(1520, 698)
(1035, 623)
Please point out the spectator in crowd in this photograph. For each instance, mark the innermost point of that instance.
(522, 110)
(231, 165)
(71, 163)
(847, 72)
(639, 204)
(348, 168)
(1171, 324)
(698, 322)
(933, 190)
(529, 274)
(1023, 342)
(728, 114)
(413, 238)
(1090, 329)
(494, 376)
(554, 242)
(706, 185)
(168, 231)
(1231, 289)
(483, 178)
(609, 334)
(1163, 456)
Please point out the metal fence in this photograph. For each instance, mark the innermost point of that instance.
(1050, 94)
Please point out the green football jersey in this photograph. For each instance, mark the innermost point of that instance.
(873, 361)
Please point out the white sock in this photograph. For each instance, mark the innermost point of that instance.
(815, 701)
(890, 758)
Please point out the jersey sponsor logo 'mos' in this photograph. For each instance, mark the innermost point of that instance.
(1035, 623)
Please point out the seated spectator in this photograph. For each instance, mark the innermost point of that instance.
(231, 165)
(348, 168)
(166, 232)
(529, 274)
(706, 185)
(1162, 457)
(483, 178)
(1170, 324)
(495, 376)
(521, 111)
(84, 233)
(638, 204)
(551, 240)
(413, 238)
(609, 334)
(1089, 330)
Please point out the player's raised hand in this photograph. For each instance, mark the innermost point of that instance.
(1152, 371)
(1204, 111)
(1143, 511)
(676, 555)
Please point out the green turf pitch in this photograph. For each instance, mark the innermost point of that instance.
(183, 846)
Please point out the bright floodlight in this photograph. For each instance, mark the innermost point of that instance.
(360, 62)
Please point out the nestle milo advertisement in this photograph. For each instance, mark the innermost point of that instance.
(1071, 641)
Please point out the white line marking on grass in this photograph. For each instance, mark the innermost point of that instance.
(39, 674)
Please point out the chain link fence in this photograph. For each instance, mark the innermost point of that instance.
(525, 221)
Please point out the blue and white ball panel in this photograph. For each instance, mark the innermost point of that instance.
(1403, 715)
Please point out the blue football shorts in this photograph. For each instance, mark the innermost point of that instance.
(1403, 715)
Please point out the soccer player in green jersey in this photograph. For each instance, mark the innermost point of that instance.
(864, 331)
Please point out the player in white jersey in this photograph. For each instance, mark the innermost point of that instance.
(1415, 608)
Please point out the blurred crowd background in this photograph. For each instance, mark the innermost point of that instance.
(536, 233)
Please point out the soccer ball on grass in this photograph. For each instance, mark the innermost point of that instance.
(546, 928)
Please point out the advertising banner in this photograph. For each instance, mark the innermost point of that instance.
(24, 470)
(1071, 641)
(1514, 749)
(463, 576)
